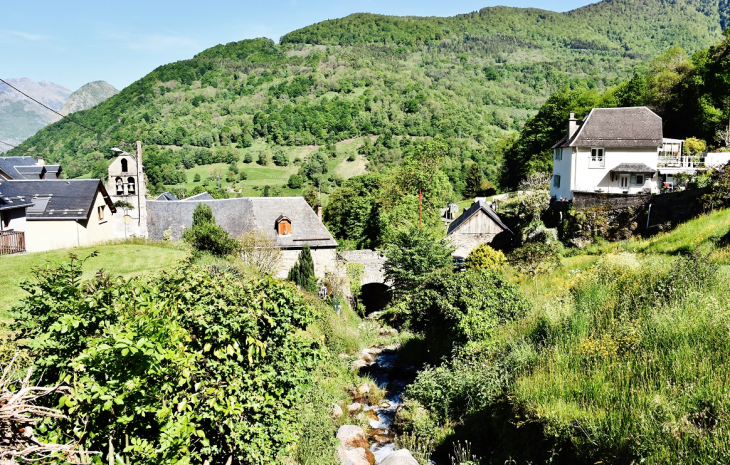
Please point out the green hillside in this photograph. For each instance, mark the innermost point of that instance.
(472, 79)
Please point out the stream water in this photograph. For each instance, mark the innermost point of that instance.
(393, 378)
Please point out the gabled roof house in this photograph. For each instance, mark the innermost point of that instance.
(613, 150)
(478, 224)
(59, 213)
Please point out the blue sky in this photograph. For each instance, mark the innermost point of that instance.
(75, 42)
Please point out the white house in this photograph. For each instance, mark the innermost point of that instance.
(613, 150)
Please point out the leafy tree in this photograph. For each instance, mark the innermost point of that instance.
(230, 176)
(294, 182)
(281, 158)
(206, 236)
(197, 177)
(242, 176)
(263, 158)
(483, 257)
(310, 195)
(412, 256)
(248, 158)
(352, 211)
(302, 273)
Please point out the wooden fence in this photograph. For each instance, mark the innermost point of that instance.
(12, 242)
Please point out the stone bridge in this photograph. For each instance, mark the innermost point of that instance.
(373, 262)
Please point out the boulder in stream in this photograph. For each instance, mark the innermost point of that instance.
(399, 457)
(354, 446)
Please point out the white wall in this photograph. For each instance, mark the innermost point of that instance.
(42, 235)
(583, 177)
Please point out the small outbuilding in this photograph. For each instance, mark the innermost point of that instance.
(478, 224)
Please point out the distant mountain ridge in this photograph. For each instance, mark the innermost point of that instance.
(473, 79)
(88, 96)
(20, 117)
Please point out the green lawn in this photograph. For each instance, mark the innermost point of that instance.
(123, 258)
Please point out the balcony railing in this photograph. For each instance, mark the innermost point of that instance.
(681, 161)
(12, 242)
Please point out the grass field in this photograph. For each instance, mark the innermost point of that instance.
(123, 258)
(257, 176)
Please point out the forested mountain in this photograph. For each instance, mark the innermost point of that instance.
(472, 79)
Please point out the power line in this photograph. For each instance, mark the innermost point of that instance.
(48, 108)
(11, 145)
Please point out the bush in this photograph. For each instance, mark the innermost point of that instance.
(206, 236)
(483, 257)
(194, 365)
(281, 158)
(197, 177)
(248, 158)
(295, 182)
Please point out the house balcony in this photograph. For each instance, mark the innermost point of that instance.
(12, 242)
(681, 161)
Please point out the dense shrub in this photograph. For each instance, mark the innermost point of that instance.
(206, 236)
(196, 364)
(483, 257)
(302, 273)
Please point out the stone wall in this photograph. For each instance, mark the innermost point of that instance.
(371, 259)
(619, 216)
(588, 200)
(324, 260)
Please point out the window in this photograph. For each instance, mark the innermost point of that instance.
(124, 165)
(597, 158)
(556, 180)
(100, 211)
(640, 179)
(558, 154)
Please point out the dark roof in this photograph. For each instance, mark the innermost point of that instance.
(473, 210)
(201, 196)
(71, 199)
(166, 196)
(54, 169)
(617, 127)
(633, 168)
(237, 216)
(10, 165)
(8, 202)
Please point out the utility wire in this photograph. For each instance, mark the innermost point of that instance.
(11, 145)
(48, 108)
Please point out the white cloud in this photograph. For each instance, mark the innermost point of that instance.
(24, 35)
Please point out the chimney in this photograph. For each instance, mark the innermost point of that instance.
(41, 161)
(319, 212)
(572, 126)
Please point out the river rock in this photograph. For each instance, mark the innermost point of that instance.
(354, 407)
(399, 457)
(354, 445)
(357, 364)
(363, 389)
(358, 456)
(388, 331)
(336, 411)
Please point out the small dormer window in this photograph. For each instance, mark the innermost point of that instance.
(283, 226)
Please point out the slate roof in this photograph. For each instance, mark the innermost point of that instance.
(71, 199)
(633, 168)
(8, 202)
(166, 196)
(201, 196)
(473, 210)
(10, 165)
(617, 127)
(237, 216)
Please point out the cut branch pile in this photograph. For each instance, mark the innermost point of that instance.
(18, 415)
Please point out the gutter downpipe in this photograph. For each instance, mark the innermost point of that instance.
(648, 217)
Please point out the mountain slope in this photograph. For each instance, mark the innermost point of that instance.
(20, 118)
(472, 79)
(88, 96)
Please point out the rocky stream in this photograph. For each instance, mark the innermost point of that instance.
(377, 445)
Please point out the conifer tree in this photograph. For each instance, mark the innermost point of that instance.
(302, 273)
(473, 181)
